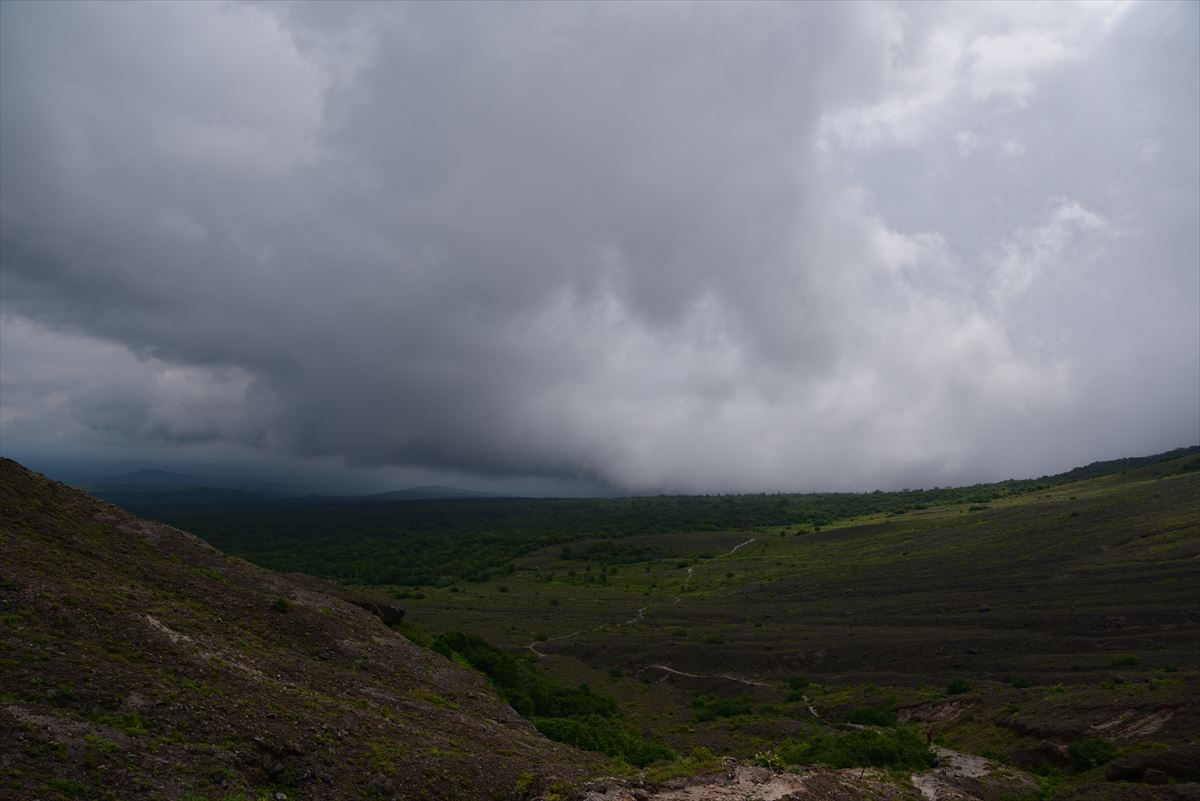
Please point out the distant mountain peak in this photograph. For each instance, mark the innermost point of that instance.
(152, 476)
(432, 492)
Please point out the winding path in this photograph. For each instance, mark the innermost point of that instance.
(733, 550)
(641, 615)
(533, 645)
(726, 676)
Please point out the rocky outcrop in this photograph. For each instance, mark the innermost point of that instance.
(1157, 767)
(390, 615)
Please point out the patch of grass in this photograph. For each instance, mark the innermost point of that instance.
(69, 788)
(433, 698)
(700, 760)
(99, 743)
(957, 686)
(128, 722)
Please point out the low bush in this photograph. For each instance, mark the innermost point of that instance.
(894, 748)
(596, 733)
(573, 715)
(957, 687)
(710, 707)
(872, 717)
(1088, 754)
(701, 760)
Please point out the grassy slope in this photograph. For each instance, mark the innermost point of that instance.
(138, 662)
(1086, 590)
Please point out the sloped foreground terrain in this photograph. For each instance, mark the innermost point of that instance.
(139, 662)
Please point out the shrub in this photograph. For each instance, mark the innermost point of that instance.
(280, 605)
(69, 788)
(524, 784)
(128, 722)
(957, 687)
(699, 761)
(594, 733)
(768, 759)
(872, 717)
(710, 707)
(797, 683)
(573, 715)
(894, 748)
(1020, 682)
(1088, 754)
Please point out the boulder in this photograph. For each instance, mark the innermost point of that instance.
(390, 615)
(1180, 764)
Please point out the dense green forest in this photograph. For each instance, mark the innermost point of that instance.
(438, 543)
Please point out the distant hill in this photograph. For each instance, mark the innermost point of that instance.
(1128, 463)
(140, 662)
(151, 479)
(163, 481)
(430, 493)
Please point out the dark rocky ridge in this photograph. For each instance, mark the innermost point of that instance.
(139, 662)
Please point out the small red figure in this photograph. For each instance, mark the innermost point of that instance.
(929, 734)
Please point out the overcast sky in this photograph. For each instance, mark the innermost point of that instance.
(645, 246)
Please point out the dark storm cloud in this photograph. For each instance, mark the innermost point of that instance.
(699, 246)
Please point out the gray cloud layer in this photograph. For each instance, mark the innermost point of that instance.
(692, 246)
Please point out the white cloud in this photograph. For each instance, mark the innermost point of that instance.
(913, 92)
(1005, 65)
(1148, 150)
(1067, 240)
(70, 387)
(967, 143)
(705, 247)
(1011, 147)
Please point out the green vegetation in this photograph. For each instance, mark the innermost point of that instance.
(437, 543)
(711, 707)
(128, 722)
(69, 788)
(867, 716)
(575, 715)
(894, 748)
(1088, 754)
(700, 760)
(957, 686)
